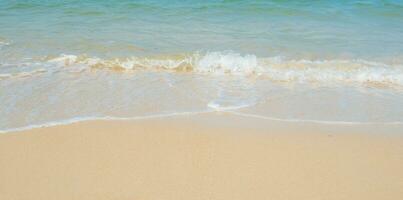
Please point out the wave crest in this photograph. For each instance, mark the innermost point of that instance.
(274, 68)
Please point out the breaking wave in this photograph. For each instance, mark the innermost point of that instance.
(230, 63)
(274, 68)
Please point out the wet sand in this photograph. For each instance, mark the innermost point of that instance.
(209, 156)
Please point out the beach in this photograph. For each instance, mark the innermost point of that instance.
(201, 100)
(205, 156)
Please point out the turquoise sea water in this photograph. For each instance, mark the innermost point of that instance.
(333, 61)
(318, 29)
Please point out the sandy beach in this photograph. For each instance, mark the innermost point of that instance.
(209, 156)
(201, 100)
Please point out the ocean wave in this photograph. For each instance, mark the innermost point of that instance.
(229, 63)
(22, 74)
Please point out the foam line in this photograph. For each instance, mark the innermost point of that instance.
(313, 121)
(276, 68)
(106, 118)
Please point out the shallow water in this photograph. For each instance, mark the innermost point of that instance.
(324, 61)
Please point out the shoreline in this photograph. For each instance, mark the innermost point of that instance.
(196, 113)
(205, 156)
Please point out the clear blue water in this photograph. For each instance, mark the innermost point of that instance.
(319, 29)
(71, 47)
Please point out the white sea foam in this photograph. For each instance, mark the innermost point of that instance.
(105, 118)
(314, 121)
(230, 63)
(156, 116)
(22, 74)
(274, 68)
(219, 107)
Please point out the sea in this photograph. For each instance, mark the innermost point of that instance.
(338, 62)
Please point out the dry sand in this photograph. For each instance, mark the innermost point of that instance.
(205, 157)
